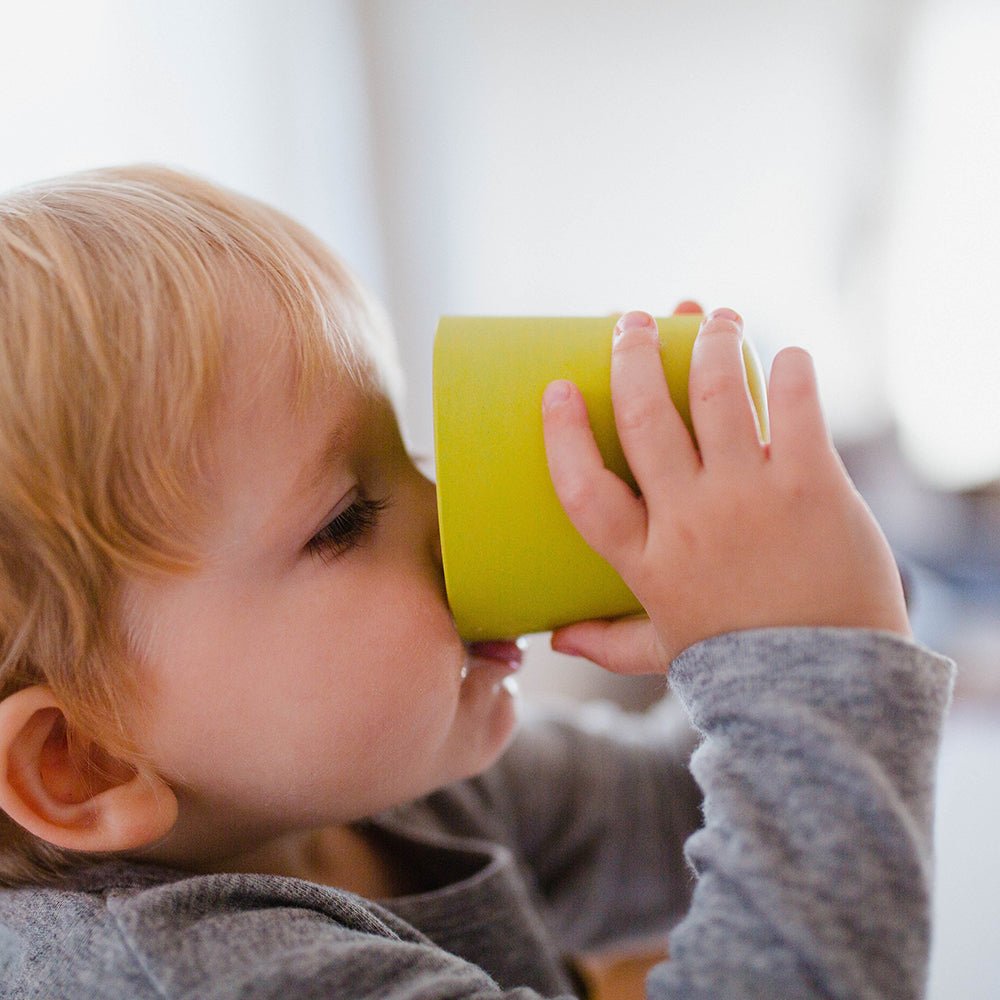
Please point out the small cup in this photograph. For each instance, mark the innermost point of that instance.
(513, 562)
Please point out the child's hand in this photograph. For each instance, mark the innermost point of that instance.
(730, 535)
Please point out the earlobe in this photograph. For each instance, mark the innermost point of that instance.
(80, 797)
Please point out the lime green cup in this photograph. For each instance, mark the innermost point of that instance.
(513, 562)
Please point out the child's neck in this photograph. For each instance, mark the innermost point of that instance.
(342, 856)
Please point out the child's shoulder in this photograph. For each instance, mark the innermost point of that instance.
(55, 936)
(133, 930)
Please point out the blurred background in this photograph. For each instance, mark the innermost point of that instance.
(831, 170)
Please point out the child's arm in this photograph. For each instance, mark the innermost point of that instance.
(820, 742)
(734, 536)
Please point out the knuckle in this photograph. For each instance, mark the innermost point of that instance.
(683, 540)
(720, 384)
(616, 536)
(577, 494)
(801, 487)
(798, 493)
(635, 413)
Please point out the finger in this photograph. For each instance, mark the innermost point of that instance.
(623, 646)
(799, 429)
(687, 308)
(657, 445)
(722, 409)
(599, 505)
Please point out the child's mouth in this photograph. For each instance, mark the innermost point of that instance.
(498, 650)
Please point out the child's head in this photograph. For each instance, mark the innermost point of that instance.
(221, 608)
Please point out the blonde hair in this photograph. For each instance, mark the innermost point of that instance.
(113, 287)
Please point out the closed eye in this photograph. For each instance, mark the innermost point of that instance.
(348, 529)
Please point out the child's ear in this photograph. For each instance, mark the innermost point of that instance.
(74, 794)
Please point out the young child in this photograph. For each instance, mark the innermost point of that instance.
(243, 752)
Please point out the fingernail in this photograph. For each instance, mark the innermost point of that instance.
(555, 394)
(724, 315)
(635, 320)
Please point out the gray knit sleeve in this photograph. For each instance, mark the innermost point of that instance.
(814, 864)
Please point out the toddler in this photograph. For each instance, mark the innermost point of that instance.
(243, 751)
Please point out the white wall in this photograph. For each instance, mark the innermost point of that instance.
(269, 97)
(826, 168)
(564, 158)
(944, 279)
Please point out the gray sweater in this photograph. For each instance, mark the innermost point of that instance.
(811, 873)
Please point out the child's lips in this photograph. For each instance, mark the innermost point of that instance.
(498, 650)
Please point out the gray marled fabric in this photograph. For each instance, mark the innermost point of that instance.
(814, 862)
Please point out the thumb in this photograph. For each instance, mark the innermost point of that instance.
(623, 646)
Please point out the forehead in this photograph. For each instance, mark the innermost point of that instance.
(284, 405)
(274, 389)
(258, 353)
(291, 352)
(274, 437)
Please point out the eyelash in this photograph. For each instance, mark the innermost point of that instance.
(347, 529)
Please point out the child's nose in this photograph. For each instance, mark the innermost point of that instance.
(428, 498)
(436, 542)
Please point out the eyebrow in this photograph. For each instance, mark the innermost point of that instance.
(316, 472)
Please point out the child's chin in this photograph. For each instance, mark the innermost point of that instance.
(497, 701)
